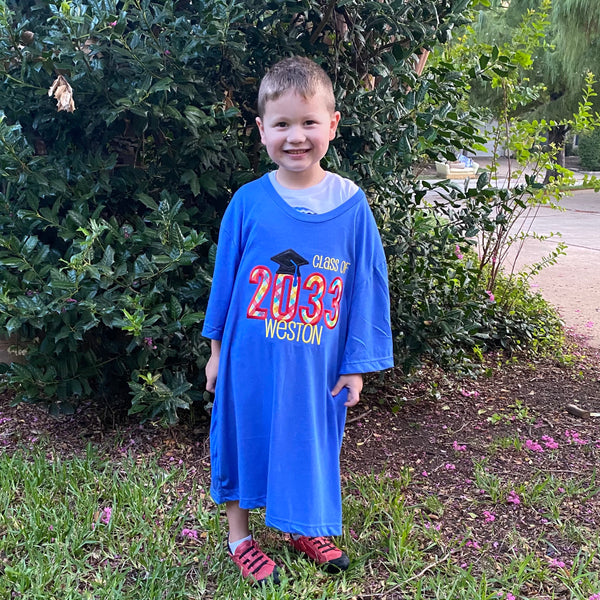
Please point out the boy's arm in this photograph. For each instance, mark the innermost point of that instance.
(354, 383)
(212, 366)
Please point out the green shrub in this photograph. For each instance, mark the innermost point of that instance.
(589, 151)
(108, 214)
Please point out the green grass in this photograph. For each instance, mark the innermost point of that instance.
(405, 542)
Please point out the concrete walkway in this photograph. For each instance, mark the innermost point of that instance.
(573, 283)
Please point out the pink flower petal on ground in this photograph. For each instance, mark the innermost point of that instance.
(106, 515)
(488, 516)
(533, 446)
(557, 564)
(189, 533)
(513, 498)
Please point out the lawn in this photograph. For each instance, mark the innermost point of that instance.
(453, 489)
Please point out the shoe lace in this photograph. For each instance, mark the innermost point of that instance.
(256, 558)
(323, 544)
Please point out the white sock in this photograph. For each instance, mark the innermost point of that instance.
(233, 545)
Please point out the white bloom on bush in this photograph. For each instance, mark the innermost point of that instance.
(63, 93)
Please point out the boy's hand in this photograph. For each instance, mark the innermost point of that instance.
(212, 366)
(354, 383)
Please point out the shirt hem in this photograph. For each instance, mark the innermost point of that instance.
(370, 366)
(326, 529)
(220, 497)
(212, 333)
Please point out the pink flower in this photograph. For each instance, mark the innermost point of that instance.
(513, 498)
(106, 515)
(490, 295)
(450, 467)
(533, 446)
(589, 324)
(458, 447)
(457, 252)
(425, 474)
(150, 343)
(508, 596)
(488, 516)
(189, 533)
(574, 438)
(469, 394)
(594, 597)
(113, 24)
(549, 442)
(473, 544)
(353, 534)
(557, 564)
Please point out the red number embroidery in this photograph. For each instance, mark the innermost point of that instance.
(332, 316)
(285, 297)
(311, 315)
(262, 277)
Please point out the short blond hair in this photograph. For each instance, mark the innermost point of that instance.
(295, 73)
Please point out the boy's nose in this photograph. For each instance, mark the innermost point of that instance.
(295, 135)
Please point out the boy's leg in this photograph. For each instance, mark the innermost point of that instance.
(238, 521)
(244, 551)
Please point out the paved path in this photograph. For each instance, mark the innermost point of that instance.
(573, 283)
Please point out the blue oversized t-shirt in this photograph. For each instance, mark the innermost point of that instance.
(297, 299)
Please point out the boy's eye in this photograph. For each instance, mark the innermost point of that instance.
(310, 122)
(281, 124)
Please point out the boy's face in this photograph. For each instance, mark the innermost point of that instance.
(296, 132)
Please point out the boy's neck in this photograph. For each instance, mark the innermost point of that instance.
(298, 181)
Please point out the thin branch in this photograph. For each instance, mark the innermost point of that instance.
(324, 21)
(354, 419)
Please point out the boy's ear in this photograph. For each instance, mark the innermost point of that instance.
(335, 119)
(261, 129)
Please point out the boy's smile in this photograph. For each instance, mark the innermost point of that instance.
(296, 132)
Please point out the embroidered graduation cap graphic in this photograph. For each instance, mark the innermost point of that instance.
(289, 262)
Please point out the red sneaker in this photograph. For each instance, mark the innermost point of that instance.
(323, 552)
(254, 563)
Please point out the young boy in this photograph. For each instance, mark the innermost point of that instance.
(299, 309)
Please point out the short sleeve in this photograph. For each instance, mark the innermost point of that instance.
(369, 340)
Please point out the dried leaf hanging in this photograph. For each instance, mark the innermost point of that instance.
(63, 93)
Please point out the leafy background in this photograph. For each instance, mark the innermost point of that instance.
(109, 215)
